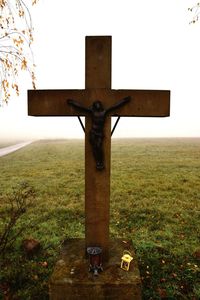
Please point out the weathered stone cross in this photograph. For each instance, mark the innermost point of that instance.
(143, 103)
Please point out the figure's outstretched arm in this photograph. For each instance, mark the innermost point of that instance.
(77, 105)
(119, 104)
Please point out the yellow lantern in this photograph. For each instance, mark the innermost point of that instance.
(126, 260)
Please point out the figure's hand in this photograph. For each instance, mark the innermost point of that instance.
(69, 101)
(127, 99)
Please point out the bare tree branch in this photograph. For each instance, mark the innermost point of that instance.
(195, 10)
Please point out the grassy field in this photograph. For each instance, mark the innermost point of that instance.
(155, 202)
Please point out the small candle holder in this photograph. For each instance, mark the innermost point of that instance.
(95, 259)
(126, 260)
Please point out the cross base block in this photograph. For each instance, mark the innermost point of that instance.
(71, 279)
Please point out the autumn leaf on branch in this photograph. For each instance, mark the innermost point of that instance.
(16, 37)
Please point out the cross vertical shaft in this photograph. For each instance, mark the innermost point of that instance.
(144, 103)
(97, 183)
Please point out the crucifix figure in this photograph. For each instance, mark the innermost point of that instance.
(98, 115)
(143, 103)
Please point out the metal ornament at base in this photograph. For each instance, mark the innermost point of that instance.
(95, 259)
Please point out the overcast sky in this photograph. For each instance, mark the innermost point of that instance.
(153, 47)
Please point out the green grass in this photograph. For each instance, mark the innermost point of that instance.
(155, 202)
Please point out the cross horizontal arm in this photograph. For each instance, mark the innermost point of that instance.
(54, 102)
(143, 103)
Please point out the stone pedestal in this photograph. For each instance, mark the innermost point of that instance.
(71, 279)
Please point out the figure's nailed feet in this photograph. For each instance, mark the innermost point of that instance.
(100, 165)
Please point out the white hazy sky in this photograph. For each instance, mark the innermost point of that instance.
(153, 47)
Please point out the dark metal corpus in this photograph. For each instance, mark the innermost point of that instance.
(113, 129)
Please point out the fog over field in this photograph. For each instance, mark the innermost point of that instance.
(153, 47)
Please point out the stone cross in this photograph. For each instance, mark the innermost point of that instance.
(143, 103)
